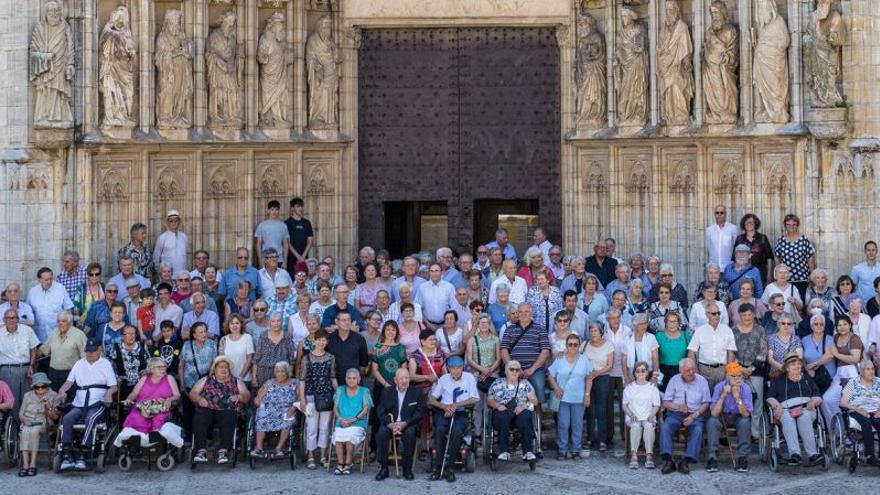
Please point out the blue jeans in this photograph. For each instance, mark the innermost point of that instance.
(539, 381)
(570, 418)
(597, 415)
(671, 424)
(501, 421)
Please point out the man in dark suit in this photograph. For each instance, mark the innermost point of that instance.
(400, 411)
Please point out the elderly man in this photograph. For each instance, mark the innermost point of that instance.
(328, 319)
(366, 256)
(99, 311)
(47, 299)
(461, 307)
(282, 301)
(721, 238)
(166, 309)
(517, 285)
(132, 299)
(529, 344)
(555, 264)
(72, 274)
(620, 282)
(64, 347)
(242, 270)
(200, 313)
(446, 260)
(410, 275)
(451, 397)
(126, 272)
(272, 233)
(399, 412)
(201, 261)
(435, 297)
(96, 384)
(465, 265)
(18, 353)
(271, 275)
(137, 250)
(539, 240)
(731, 405)
(495, 268)
(502, 241)
(323, 273)
(600, 264)
(712, 346)
(13, 301)
(686, 400)
(617, 334)
(740, 270)
(172, 244)
(197, 286)
(482, 261)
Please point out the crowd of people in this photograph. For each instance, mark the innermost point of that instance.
(617, 351)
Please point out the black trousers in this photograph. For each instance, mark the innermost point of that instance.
(383, 443)
(205, 419)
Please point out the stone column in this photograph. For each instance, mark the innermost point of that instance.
(249, 27)
(610, 40)
(747, 37)
(90, 31)
(654, 21)
(798, 11)
(293, 14)
(700, 12)
(200, 96)
(146, 14)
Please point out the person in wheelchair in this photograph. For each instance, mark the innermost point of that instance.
(794, 400)
(152, 399)
(731, 406)
(219, 399)
(685, 400)
(38, 410)
(275, 409)
(513, 401)
(91, 375)
(861, 397)
(451, 397)
(400, 411)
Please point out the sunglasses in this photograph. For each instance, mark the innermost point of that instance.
(719, 213)
(713, 313)
(39, 387)
(95, 274)
(111, 291)
(571, 344)
(482, 252)
(641, 370)
(562, 320)
(514, 369)
(261, 309)
(784, 323)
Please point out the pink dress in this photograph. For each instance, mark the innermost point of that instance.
(150, 390)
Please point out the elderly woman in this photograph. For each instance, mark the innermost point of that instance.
(426, 364)
(641, 346)
(637, 300)
(366, 292)
(110, 333)
(781, 285)
(498, 309)
(713, 277)
(860, 321)
(273, 346)
(840, 301)
(847, 352)
(130, 359)
(166, 276)
(477, 291)
(794, 400)
(350, 276)
(239, 303)
(758, 244)
(450, 336)
(513, 401)
(663, 306)
(576, 279)
(651, 276)
(238, 347)
(600, 352)
(275, 409)
(545, 299)
(317, 384)
(814, 308)
(323, 300)
(820, 364)
(533, 262)
(405, 291)
(592, 300)
(794, 250)
(567, 377)
(741, 270)
(819, 289)
(861, 397)
(641, 403)
(483, 354)
(196, 357)
(672, 344)
(37, 412)
(351, 406)
(781, 344)
(618, 304)
(152, 399)
(679, 293)
(259, 323)
(746, 296)
(697, 315)
(219, 399)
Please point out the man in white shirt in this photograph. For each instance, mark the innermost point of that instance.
(539, 237)
(618, 335)
(271, 274)
(166, 309)
(96, 383)
(721, 238)
(712, 347)
(47, 299)
(171, 245)
(435, 297)
(18, 351)
(516, 284)
(451, 397)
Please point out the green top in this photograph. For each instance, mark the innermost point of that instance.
(389, 359)
(484, 349)
(350, 405)
(673, 350)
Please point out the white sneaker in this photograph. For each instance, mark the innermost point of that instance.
(528, 456)
(504, 456)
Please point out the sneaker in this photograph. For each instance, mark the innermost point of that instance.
(619, 453)
(201, 457)
(794, 460)
(742, 464)
(816, 459)
(602, 447)
(634, 462)
(449, 474)
(504, 456)
(668, 467)
(67, 464)
(585, 453)
(712, 465)
(222, 458)
(529, 456)
(576, 456)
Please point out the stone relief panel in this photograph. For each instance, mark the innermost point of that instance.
(675, 66)
(775, 178)
(770, 64)
(825, 36)
(116, 77)
(169, 179)
(590, 73)
(456, 8)
(114, 212)
(720, 64)
(632, 61)
(51, 67)
(320, 173)
(631, 198)
(223, 223)
(726, 169)
(679, 207)
(174, 75)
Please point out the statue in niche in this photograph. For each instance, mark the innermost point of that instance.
(720, 62)
(675, 51)
(590, 72)
(822, 43)
(225, 74)
(770, 67)
(51, 69)
(174, 88)
(116, 75)
(322, 62)
(274, 90)
(632, 69)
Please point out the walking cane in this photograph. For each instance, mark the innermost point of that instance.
(394, 448)
(446, 449)
(727, 437)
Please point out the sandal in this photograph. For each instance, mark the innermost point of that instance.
(649, 461)
(32, 471)
(22, 472)
(310, 463)
(278, 453)
(346, 470)
(258, 453)
(339, 470)
(634, 462)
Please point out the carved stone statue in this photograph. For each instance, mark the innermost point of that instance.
(590, 72)
(322, 63)
(632, 69)
(674, 62)
(825, 36)
(274, 90)
(174, 88)
(51, 69)
(720, 62)
(116, 77)
(225, 74)
(770, 67)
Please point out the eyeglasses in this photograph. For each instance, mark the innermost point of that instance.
(514, 369)
(720, 213)
(482, 252)
(562, 320)
(261, 309)
(39, 387)
(111, 291)
(571, 344)
(242, 257)
(95, 274)
(665, 274)
(779, 304)
(641, 370)
(10, 317)
(784, 323)
(555, 254)
(713, 313)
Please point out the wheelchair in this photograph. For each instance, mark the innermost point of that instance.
(9, 439)
(233, 453)
(772, 440)
(97, 452)
(467, 458)
(847, 440)
(290, 449)
(155, 448)
(490, 442)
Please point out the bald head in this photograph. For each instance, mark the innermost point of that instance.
(401, 379)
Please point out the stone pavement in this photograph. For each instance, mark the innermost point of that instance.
(595, 475)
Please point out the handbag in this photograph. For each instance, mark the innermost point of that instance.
(511, 404)
(821, 376)
(323, 403)
(796, 411)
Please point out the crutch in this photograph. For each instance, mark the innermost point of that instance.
(446, 449)
(394, 448)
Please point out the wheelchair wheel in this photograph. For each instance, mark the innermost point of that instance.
(99, 463)
(292, 454)
(56, 463)
(852, 464)
(124, 462)
(470, 461)
(533, 464)
(166, 462)
(10, 441)
(773, 460)
(838, 439)
(764, 441)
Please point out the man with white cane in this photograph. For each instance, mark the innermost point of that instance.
(451, 397)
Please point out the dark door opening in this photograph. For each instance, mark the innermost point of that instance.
(412, 226)
(518, 216)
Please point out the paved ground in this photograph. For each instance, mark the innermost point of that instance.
(595, 475)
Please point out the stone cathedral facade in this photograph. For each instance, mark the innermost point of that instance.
(623, 118)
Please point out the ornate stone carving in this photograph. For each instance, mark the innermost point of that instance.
(225, 74)
(592, 4)
(562, 35)
(770, 67)
(589, 72)
(271, 183)
(674, 54)
(38, 178)
(728, 179)
(219, 185)
(168, 182)
(637, 178)
(277, 4)
(822, 43)
(720, 62)
(682, 181)
(116, 77)
(323, 5)
(632, 69)
(777, 174)
(355, 36)
(51, 69)
(319, 183)
(322, 62)
(174, 88)
(113, 186)
(274, 74)
(595, 178)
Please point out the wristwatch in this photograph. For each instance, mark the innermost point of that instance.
(739, 402)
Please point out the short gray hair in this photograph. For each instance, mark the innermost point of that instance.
(269, 251)
(353, 371)
(533, 252)
(510, 363)
(72, 253)
(864, 363)
(666, 267)
(284, 365)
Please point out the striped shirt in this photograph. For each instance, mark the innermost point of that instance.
(528, 348)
